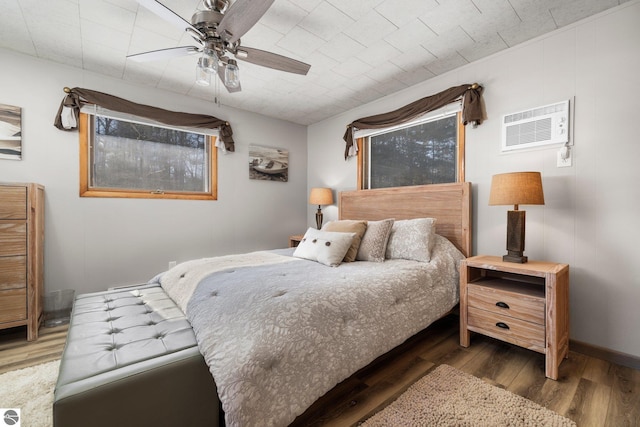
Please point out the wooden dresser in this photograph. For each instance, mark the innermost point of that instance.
(523, 304)
(21, 256)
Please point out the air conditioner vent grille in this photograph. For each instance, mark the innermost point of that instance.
(539, 126)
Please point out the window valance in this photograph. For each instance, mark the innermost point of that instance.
(68, 113)
(472, 111)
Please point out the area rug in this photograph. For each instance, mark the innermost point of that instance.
(449, 397)
(31, 390)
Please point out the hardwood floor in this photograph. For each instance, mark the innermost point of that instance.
(590, 391)
(16, 352)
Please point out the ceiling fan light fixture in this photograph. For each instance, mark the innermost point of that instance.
(216, 29)
(232, 74)
(209, 60)
(203, 76)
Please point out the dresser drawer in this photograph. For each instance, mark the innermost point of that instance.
(13, 272)
(513, 299)
(13, 305)
(14, 202)
(13, 238)
(525, 334)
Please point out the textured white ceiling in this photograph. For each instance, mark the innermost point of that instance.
(359, 50)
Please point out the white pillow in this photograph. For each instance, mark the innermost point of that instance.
(325, 247)
(412, 239)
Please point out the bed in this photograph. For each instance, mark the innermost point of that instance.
(278, 329)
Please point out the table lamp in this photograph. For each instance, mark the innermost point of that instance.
(320, 196)
(516, 188)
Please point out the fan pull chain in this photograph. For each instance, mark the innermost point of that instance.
(216, 99)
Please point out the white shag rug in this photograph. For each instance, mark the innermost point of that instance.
(449, 397)
(31, 390)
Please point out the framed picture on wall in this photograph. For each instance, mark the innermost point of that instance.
(10, 132)
(268, 164)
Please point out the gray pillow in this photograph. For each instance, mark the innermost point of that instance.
(374, 242)
(412, 239)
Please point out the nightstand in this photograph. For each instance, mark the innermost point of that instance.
(522, 304)
(294, 240)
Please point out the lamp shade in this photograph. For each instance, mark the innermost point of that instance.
(516, 188)
(321, 196)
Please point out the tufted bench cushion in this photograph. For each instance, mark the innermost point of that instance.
(131, 359)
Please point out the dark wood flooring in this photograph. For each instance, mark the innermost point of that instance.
(590, 391)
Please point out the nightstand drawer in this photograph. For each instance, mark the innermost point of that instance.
(525, 302)
(525, 334)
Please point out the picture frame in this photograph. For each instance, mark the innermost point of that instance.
(10, 132)
(268, 163)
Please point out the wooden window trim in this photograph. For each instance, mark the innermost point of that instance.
(85, 191)
(460, 167)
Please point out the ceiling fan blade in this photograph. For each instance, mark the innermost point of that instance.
(240, 17)
(272, 60)
(156, 55)
(168, 15)
(221, 76)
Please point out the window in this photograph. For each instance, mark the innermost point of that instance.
(428, 152)
(123, 158)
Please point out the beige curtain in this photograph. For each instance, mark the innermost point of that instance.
(77, 97)
(472, 111)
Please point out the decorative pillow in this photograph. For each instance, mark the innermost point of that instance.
(412, 239)
(325, 247)
(349, 226)
(374, 242)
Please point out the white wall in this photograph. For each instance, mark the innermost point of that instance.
(91, 243)
(588, 220)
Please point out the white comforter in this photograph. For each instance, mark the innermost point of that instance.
(278, 332)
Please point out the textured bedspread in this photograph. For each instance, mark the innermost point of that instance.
(278, 332)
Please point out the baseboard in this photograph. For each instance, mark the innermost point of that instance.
(605, 354)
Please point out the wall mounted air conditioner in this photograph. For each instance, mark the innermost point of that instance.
(544, 125)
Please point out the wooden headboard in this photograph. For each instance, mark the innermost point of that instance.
(450, 204)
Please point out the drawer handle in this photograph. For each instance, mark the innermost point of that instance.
(502, 304)
(502, 325)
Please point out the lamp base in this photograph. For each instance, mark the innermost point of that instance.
(515, 237)
(319, 218)
(519, 258)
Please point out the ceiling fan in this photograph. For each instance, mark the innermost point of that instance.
(217, 30)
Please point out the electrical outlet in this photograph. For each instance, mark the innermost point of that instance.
(566, 162)
(172, 264)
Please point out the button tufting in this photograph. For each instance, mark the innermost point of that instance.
(182, 275)
(214, 293)
(327, 244)
(151, 323)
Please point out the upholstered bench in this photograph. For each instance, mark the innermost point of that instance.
(131, 359)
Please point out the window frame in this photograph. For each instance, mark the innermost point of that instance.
(460, 154)
(87, 191)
